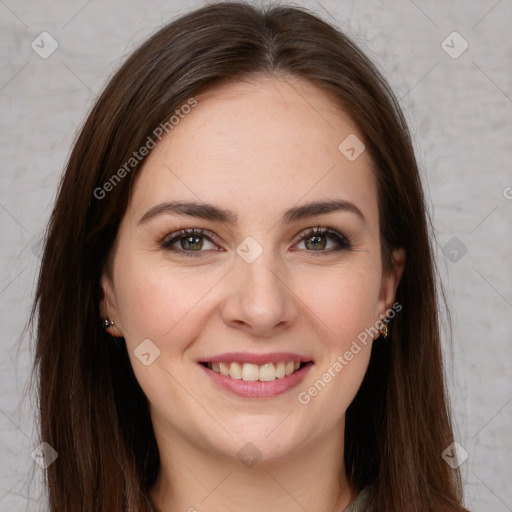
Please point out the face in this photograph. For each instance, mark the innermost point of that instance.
(249, 326)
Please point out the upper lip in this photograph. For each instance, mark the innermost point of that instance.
(259, 359)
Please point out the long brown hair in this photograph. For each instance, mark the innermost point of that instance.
(92, 409)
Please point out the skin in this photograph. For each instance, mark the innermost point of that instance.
(256, 148)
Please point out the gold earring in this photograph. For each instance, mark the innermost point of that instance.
(384, 330)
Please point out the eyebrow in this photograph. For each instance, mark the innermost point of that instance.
(211, 212)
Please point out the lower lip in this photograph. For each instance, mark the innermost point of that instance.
(256, 388)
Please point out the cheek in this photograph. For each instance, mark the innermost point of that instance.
(343, 300)
(163, 307)
(343, 303)
(161, 303)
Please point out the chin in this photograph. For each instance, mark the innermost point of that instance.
(271, 439)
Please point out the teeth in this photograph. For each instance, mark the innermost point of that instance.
(223, 368)
(267, 372)
(235, 372)
(251, 372)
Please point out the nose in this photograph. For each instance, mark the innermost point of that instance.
(259, 297)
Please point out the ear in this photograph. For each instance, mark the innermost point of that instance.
(108, 305)
(390, 282)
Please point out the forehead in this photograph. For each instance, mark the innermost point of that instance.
(265, 143)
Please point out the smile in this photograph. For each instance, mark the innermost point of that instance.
(250, 372)
(256, 376)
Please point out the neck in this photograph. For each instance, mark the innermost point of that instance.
(193, 479)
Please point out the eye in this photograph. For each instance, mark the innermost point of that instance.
(194, 241)
(189, 241)
(322, 240)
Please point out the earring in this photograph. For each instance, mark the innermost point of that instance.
(108, 322)
(384, 330)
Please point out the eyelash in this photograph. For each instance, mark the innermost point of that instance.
(341, 240)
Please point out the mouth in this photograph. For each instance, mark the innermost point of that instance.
(250, 372)
(257, 376)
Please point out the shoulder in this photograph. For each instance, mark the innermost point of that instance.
(360, 502)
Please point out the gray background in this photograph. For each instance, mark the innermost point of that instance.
(459, 110)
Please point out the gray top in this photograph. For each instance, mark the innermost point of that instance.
(360, 502)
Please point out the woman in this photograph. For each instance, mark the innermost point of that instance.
(237, 300)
